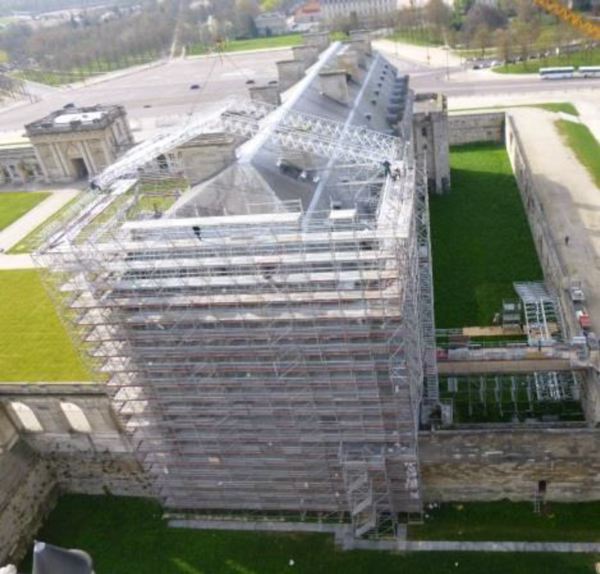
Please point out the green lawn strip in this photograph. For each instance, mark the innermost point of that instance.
(589, 57)
(556, 107)
(419, 37)
(516, 521)
(272, 42)
(284, 41)
(35, 238)
(481, 240)
(564, 107)
(34, 344)
(60, 77)
(585, 146)
(121, 532)
(14, 205)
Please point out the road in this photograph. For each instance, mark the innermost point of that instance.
(164, 90)
(159, 91)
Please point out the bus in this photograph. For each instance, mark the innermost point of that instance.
(589, 71)
(557, 73)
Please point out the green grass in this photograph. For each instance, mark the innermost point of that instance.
(585, 146)
(34, 239)
(565, 107)
(34, 344)
(60, 77)
(416, 37)
(272, 42)
(121, 532)
(480, 238)
(14, 205)
(503, 520)
(589, 57)
(284, 41)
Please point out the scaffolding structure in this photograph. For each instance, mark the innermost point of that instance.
(271, 361)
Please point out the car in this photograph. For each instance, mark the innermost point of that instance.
(69, 106)
(195, 87)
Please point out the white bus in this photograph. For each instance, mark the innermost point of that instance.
(589, 71)
(557, 73)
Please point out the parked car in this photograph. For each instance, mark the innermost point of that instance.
(195, 87)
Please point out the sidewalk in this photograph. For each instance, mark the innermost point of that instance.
(8, 262)
(570, 201)
(12, 234)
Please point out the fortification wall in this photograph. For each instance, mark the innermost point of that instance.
(27, 493)
(478, 127)
(491, 464)
(37, 466)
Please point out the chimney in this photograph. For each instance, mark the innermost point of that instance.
(334, 85)
(268, 93)
(319, 40)
(364, 37)
(349, 61)
(289, 72)
(306, 54)
(358, 47)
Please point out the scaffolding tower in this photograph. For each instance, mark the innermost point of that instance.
(269, 361)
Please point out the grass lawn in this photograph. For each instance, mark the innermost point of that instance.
(284, 41)
(34, 345)
(417, 37)
(503, 520)
(121, 532)
(60, 77)
(565, 107)
(34, 239)
(589, 57)
(272, 42)
(480, 238)
(15, 204)
(585, 146)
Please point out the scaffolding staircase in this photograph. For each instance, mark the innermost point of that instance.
(541, 310)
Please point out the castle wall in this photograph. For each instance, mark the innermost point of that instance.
(479, 127)
(491, 464)
(27, 493)
(38, 466)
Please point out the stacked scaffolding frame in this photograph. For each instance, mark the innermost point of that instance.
(271, 362)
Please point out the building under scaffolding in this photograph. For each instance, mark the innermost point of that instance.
(269, 337)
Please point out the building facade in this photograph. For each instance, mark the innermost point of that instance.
(78, 143)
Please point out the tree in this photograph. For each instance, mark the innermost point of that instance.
(483, 15)
(504, 44)
(438, 15)
(482, 38)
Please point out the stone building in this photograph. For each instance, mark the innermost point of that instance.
(430, 126)
(270, 24)
(77, 143)
(18, 162)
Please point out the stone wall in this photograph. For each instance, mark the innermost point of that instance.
(509, 463)
(27, 493)
(37, 466)
(480, 127)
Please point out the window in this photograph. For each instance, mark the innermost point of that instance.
(76, 417)
(26, 417)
